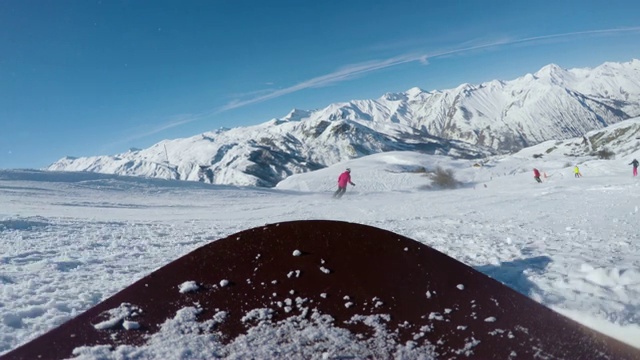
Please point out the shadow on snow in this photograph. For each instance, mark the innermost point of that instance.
(512, 273)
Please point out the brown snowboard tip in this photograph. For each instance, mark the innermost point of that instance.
(320, 289)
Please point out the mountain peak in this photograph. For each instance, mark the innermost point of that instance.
(297, 115)
(414, 91)
(411, 93)
(553, 73)
(467, 121)
(550, 70)
(395, 97)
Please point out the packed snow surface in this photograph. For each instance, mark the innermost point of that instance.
(71, 240)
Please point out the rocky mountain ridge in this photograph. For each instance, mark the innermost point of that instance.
(470, 121)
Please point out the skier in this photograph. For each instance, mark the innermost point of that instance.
(536, 175)
(576, 172)
(209, 175)
(343, 180)
(635, 167)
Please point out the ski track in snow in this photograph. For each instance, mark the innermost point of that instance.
(571, 244)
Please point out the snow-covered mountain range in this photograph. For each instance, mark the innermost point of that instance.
(470, 121)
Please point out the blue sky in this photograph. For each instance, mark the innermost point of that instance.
(86, 77)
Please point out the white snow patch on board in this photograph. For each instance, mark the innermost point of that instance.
(188, 286)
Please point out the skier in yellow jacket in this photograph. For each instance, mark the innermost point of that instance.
(576, 172)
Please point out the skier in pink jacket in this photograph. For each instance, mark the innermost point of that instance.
(343, 180)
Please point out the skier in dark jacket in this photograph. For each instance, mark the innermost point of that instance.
(343, 180)
(635, 167)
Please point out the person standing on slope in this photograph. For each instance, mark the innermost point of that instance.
(343, 180)
(635, 167)
(536, 175)
(576, 172)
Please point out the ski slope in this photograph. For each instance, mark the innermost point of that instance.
(70, 240)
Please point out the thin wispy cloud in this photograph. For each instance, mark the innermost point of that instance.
(356, 70)
(172, 123)
(346, 73)
(352, 71)
(533, 39)
(581, 33)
